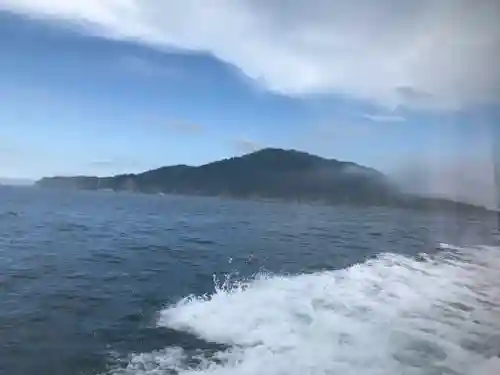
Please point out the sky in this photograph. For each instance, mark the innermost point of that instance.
(102, 87)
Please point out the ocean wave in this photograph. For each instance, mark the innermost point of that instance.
(438, 314)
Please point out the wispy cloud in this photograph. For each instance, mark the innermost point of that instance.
(384, 118)
(102, 164)
(171, 125)
(187, 128)
(393, 52)
(245, 145)
(113, 165)
(147, 68)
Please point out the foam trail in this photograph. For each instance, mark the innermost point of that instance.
(390, 315)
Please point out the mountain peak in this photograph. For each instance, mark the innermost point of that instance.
(277, 158)
(268, 173)
(275, 151)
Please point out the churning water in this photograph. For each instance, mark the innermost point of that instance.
(103, 283)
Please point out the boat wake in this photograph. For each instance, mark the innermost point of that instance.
(390, 315)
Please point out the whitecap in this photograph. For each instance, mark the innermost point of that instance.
(389, 315)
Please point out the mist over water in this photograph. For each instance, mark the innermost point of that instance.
(104, 283)
(465, 174)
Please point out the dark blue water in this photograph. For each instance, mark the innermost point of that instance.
(84, 276)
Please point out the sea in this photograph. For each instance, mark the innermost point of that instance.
(111, 283)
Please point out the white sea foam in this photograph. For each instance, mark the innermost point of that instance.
(390, 315)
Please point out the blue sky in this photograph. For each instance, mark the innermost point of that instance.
(99, 99)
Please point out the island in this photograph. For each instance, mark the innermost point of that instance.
(269, 173)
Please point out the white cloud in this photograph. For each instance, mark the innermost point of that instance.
(384, 118)
(438, 53)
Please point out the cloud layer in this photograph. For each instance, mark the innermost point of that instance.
(437, 53)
